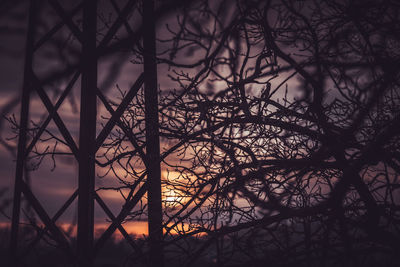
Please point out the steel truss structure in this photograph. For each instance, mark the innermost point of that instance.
(89, 143)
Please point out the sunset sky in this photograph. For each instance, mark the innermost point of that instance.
(54, 185)
(277, 123)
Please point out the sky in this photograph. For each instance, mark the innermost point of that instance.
(54, 181)
(54, 184)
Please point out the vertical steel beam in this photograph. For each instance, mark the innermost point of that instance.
(156, 258)
(22, 139)
(87, 136)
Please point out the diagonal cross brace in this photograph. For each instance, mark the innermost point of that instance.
(67, 19)
(57, 234)
(126, 24)
(53, 219)
(117, 24)
(124, 128)
(116, 115)
(129, 205)
(119, 226)
(55, 29)
(56, 118)
(51, 115)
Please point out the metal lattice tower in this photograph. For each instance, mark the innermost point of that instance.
(89, 143)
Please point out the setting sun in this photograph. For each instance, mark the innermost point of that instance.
(176, 133)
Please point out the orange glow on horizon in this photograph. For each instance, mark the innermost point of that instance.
(136, 228)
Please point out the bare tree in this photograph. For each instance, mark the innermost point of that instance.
(278, 135)
(288, 125)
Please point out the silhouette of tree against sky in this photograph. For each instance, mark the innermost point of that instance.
(288, 124)
(279, 131)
